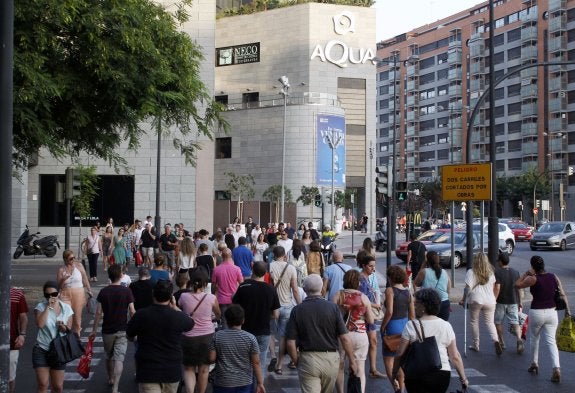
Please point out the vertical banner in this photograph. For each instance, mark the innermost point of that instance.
(330, 131)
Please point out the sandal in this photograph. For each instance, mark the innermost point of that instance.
(278, 371)
(376, 374)
(292, 365)
(272, 365)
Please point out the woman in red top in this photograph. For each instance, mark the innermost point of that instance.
(356, 309)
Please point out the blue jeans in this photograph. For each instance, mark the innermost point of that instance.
(263, 343)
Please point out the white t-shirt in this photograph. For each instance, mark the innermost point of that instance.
(443, 332)
(286, 244)
(284, 285)
(481, 294)
(137, 236)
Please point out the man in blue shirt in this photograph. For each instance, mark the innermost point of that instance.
(243, 257)
(333, 276)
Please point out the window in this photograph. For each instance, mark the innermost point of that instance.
(514, 90)
(425, 94)
(443, 154)
(442, 90)
(427, 140)
(499, 23)
(443, 122)
(500, 147)
(426, 63)
(513, 18)
(427, 125)
(500, 129)
(384, 89)
(383, 147)
(499, 111)
(499, 58)
(222, 99)
(442, 74)
(384, 132)
(384, 75)
(514, 126)
(223, 147)
(514, 109)
(514, 53)
(222, 196)
(500, 165)
(442, 58)
(514, 145)
(427, 156)
(428, 78)
(383, 104)
(443, 138)
(514, 164)
(250, 100)
(500, 93)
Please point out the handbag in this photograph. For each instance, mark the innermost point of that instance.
(391, 342)
(423, 355)
(565, 336)
(138, 257)
(64, 349)
(378, 313)
(353, 383)
(92, 305)
(560, 303)
(84, 364)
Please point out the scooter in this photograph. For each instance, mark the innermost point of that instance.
(328, 247)
(381, 240)
(34, 245)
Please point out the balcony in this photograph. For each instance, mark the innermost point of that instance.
(477, 155)
(557, 124)
(477, 49)
(477, 84)
(412, 85)
(558, 23)
(558, 43)
(392, 75)
(529, 33)
(556, 164)
(557, 104)
(528, 91)
(411, 146)
(529, 73)
(412, 100)
(411, 130)
(454, 42)
(411, 115)
(457, 156)
(529, 129)
(455, 90)
(529, 165)
(557, 5)
(556, 143)
(529, 110)
(477, 67)
(454, 56)
(528, 52)
(412, 69)
(553, 69)
(455, 123)
(559, 83)
(411, 161)
(530, 17)
(530, 148)
(454, 73)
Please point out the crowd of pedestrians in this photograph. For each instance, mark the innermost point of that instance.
(253, 300)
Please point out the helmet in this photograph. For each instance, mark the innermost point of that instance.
(327, 227)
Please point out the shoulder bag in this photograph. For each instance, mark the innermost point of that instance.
(560, 303)
(64, 349)
(566, 334)
(281, 276)
(422, 356)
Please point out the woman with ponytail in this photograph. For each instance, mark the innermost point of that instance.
(200, 306)
(433, 276)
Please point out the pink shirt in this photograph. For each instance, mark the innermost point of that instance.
(227, 277)
(203, 314)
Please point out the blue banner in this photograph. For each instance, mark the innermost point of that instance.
(330, 133)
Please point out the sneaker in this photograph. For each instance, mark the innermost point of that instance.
(498, 348)
(520, 347)
(474, 348)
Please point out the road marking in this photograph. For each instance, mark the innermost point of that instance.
(491, 389)
(74, 376)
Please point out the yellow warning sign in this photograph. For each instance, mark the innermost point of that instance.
(467, 182)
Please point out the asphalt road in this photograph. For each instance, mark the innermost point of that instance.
(486, 372)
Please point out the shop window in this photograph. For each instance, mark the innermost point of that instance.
(223, 147)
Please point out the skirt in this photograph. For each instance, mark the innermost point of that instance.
(196, 350)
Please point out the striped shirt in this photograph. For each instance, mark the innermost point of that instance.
(233, 357)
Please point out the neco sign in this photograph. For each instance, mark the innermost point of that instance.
(338, 52)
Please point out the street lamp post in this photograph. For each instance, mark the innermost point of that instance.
(334, 139)
(285, 92)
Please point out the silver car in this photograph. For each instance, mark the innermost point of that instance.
(554, 234)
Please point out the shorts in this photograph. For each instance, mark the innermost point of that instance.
(195, 350)
(148, 252)
(511, 311)
(279, 327)
(40, 359)
(359, 344)
(158, 387)
(115, 345)
(14, 354)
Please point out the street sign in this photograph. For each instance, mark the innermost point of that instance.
(467, 182)
(535, 211)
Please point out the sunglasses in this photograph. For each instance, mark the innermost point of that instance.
(51, 294)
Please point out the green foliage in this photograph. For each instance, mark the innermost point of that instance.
(241, 186)
(273, 194)
(431, 191)
(263, 5)
(307, 196)
(89, 73)
(88, 191)
(343, 198)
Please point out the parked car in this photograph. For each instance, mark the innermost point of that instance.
(442, 245)
(426, 237)
(521, 231)
(505, 235)
(554, 234)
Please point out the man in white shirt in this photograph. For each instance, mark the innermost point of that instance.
(285, 241)
(238, 233)
(137, 233)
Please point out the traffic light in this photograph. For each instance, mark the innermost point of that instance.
(317, 200)
(571, 170)
(538, 202)
(384, 179)
(401, 191)
(73, 183)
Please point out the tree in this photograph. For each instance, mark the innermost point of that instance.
(242, 187)
(89, 73)
(274, 194)
(83, 203)
(307, 198)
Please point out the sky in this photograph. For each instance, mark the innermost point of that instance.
(399, 16)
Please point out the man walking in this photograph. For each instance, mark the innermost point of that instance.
(243, 257)
(168, 243)
(284, 278)
(147, 241)
(18, 326)
(114, 301)
(508, 300)
(159, 329)
(143, 289)
(225, 280)
(415, 255)
(261, 303)
(333, 276)
(315, 326)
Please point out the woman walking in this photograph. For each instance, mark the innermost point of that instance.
(119, 250)
(433, 276)
(107, 245)
(93, 246)
(195, 343)
(398, 310)
(356, 308)
(72, 280)
(542, 315)
(314, 259)
(480, 287)
(187, 255)
(259, 247)
(53, 317)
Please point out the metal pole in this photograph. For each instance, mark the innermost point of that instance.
(282, 202)
(493, 223)
(6, 134)
(157, 218)
(332, 145)
(452, 223)
(67, 223)
(391, 187)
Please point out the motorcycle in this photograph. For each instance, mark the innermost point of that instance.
(328, 247)
(34, 245)
(381, 239)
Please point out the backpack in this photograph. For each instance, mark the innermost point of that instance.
(300, 267)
